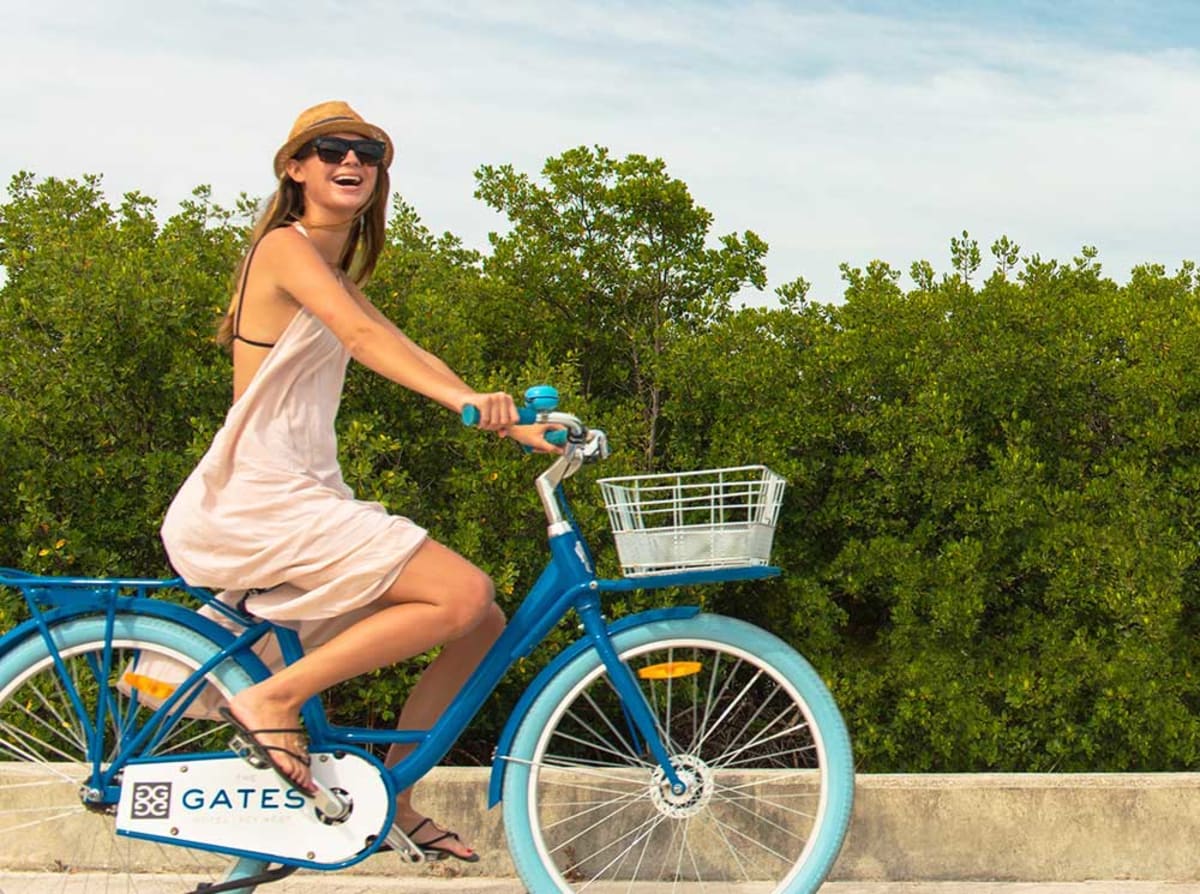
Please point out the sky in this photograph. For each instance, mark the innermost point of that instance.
(838, 132)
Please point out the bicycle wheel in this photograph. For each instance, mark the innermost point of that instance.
(48, 760)
(750, 727)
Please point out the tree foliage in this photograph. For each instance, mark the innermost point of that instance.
(611, 260)
(990, 531)
(109, 382)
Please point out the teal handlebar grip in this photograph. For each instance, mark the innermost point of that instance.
(539, 398)
(525, 415)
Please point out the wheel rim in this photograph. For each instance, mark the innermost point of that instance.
(46, 766)
(740, 734)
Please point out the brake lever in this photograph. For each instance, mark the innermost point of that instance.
(595, 448)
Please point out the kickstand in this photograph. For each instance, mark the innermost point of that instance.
(247, 883)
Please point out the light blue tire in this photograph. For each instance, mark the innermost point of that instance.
(751, 727)
(50, 755)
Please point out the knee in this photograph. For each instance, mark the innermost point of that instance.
(493, 620)
(472, 604)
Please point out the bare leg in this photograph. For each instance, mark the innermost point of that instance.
(439, 597)
(437, 687)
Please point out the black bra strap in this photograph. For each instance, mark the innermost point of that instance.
(237, 314)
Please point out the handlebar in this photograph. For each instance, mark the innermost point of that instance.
(540, 402)
(525, 416)
(582, 444)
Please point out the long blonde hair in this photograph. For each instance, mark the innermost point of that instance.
(286, 205)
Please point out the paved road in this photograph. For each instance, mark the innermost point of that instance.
(36, 883)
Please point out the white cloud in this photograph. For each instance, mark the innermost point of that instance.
(836, 136)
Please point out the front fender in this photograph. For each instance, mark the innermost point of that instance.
(139, 605)
(495, 786)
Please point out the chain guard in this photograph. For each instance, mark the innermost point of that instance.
(222, 803)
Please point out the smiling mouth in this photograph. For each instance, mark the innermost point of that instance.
(347, 180)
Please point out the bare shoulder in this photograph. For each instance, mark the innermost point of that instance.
(285, 242)
(292, 263)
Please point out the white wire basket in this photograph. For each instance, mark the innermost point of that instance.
(686, 521)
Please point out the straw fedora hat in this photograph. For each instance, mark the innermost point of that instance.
(325, 118)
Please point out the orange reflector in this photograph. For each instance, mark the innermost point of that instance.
(150, 686)
(669, 670)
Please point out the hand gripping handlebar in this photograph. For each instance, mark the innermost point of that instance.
(583, 444)
(540, 402)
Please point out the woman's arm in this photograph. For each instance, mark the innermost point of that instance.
(429, 357)
(533, 436)
(298, 269)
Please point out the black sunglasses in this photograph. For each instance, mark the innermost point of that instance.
(333, 150)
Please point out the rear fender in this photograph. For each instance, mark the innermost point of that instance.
(136, 605)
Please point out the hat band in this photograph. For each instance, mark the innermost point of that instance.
(334, 118)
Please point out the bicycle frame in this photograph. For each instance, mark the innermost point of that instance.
(566, 583)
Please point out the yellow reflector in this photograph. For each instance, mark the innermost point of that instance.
(669, 670)
(150, 686)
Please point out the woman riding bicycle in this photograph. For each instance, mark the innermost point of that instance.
(266, 515)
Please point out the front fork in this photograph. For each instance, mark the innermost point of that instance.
(633, 700)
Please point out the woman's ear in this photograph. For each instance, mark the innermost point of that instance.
(294, 169)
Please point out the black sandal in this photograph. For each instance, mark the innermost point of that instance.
(432, 852)
(245, 744)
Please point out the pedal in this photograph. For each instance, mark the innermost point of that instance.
(331, 804)
(245, 883)
(404, 846)
(247, 751)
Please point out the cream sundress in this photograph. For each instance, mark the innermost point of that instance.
(266, 516)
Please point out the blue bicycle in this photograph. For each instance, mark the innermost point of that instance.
(671, 745)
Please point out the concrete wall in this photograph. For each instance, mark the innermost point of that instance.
(1019, 827)
(1025, 827)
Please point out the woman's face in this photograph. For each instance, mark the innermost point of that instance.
(343, 186)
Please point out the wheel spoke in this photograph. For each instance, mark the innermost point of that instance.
(57, 726)
(697, 874)
(807, 752)
(592, 807)
(743, 835)
(23, 745)
(734, 703)
(762, 816)
(595, 743)
(714, 698)
(38, 822)
(756, 736)
(758, 778)
(594, 825)
(591, 771)
(641, 859)
(757, 742)
(734, 852)
(638, 835)
(763, 704)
